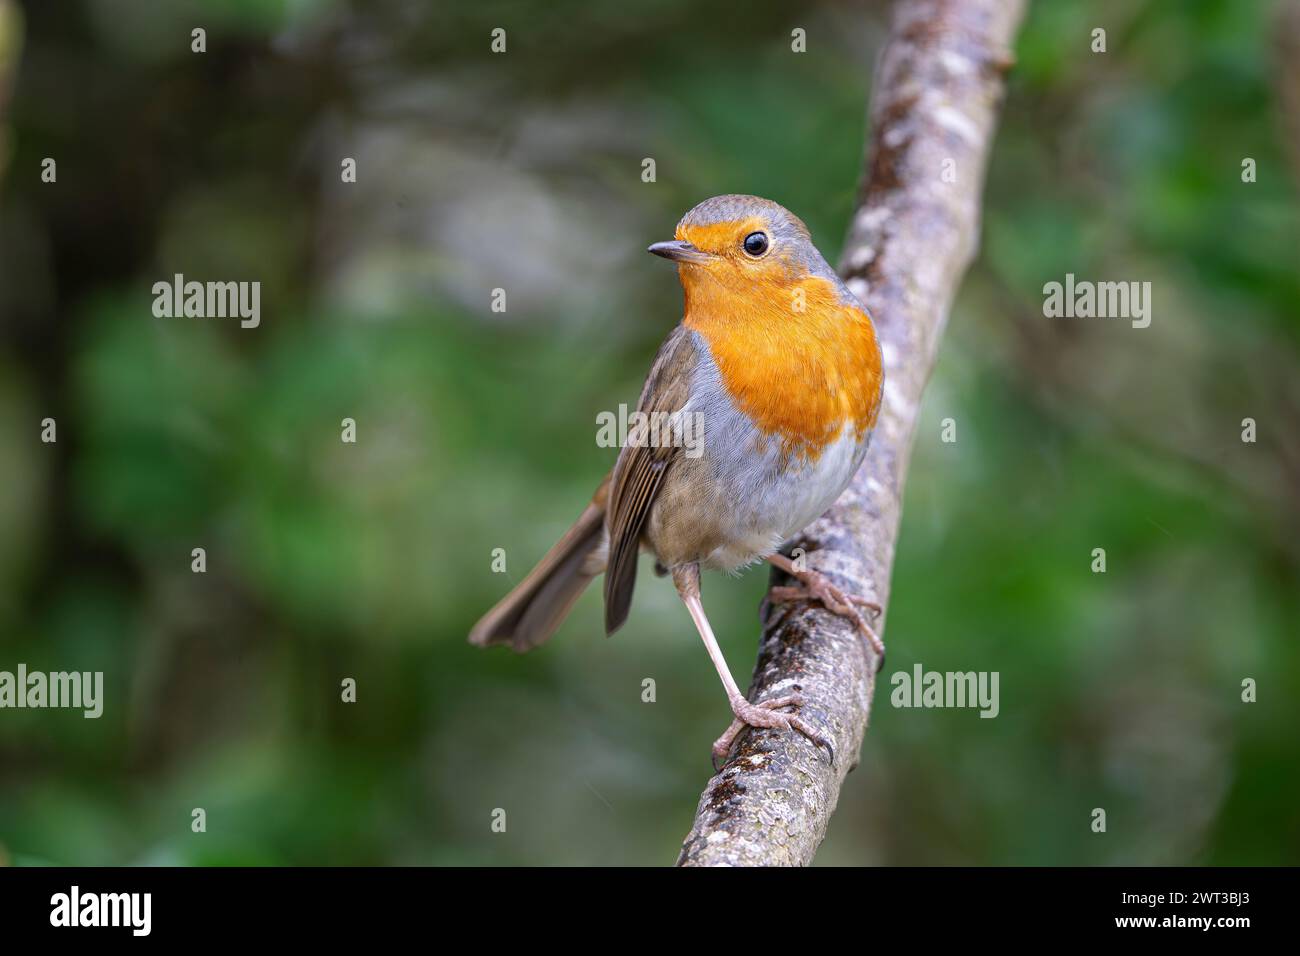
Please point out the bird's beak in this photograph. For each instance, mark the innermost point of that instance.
(679, 251)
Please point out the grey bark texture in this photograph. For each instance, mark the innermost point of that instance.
(937, 90)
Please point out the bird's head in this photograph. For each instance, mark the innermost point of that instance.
(745, 244)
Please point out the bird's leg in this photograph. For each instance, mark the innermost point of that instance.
(816, 586)
(766, 713)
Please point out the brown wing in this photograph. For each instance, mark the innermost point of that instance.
(640, 471)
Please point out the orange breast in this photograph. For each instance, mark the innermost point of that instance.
(795, 359)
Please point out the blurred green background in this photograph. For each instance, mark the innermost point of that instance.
(476, 430)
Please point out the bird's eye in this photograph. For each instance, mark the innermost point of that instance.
(755, 244)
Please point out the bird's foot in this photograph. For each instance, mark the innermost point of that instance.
(767, 713)
(816, 586)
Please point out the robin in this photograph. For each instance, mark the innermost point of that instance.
(779, 365)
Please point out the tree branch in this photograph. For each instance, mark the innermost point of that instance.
(935, 99)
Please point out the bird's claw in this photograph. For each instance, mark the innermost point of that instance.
(767, 713)
(817, 587)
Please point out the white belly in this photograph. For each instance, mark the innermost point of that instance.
(769, 504)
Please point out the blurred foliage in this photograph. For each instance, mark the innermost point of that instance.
(522, 171)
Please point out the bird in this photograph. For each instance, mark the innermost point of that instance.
(757, 412)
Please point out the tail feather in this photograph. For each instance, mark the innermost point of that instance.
(534, 610)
